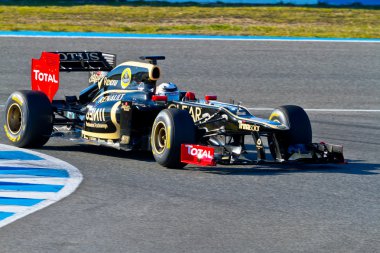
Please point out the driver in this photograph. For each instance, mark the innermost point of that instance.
(169, 90)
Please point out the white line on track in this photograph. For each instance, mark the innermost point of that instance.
(30, 195)
(342, 110)
(317, 110)
(14, 209)
(206, 38)
(29, 180)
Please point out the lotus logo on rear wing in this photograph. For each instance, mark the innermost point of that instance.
(86, 61)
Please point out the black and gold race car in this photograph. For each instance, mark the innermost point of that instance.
(123, 107)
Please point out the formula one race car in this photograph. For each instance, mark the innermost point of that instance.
(124, 108)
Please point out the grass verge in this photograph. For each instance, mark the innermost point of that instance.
(196, 19)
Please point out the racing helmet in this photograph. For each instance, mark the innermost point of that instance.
(169, 90)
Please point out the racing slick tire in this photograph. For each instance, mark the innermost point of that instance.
(28, 119)
(171, 128)
(299, 131)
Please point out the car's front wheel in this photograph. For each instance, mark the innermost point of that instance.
(171, 128)
(296, 119)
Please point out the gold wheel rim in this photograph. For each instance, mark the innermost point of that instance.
(14, 116)
(160, 137)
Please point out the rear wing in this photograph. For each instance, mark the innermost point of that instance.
(45, 71)
(86, 61)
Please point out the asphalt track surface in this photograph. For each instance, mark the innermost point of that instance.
(127, 203)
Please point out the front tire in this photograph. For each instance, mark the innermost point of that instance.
(28, 119)
(171, 128)
(296, 119)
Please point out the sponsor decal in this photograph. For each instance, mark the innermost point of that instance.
(95, 114)
(45, 74)
(126, 77)
(195, 112)
(86, 56)
(17, 99)
(96, 76)
(44, 77)
(108, 82)
(115, 97)
(97, 125)
(200, 153)
(259, 144)
(10, 137)
(197, 154)
(99, 115)
(248, 127)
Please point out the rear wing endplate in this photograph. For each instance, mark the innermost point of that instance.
(45, 71)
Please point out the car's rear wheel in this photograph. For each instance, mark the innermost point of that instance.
(171, 128)
(28, 118)
(299, 129)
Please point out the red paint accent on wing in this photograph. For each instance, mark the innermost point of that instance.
(45, 74)
(159, 98)
(197, 154)
(211, 97)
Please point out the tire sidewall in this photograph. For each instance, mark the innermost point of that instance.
(279, 115)
(168, 122)
(21, 137)
(36, 119)
(296, 119)
(180, 129)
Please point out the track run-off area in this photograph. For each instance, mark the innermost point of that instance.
(128, 203)
(30, 181)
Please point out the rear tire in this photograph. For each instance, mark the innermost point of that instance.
(171, 128)
(299, 128)
(28, 119)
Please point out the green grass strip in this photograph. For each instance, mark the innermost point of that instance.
(195, 19)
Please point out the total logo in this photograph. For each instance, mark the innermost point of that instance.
(44, 77)
(198, 152)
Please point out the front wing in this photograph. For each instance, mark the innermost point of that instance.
(211, 156)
